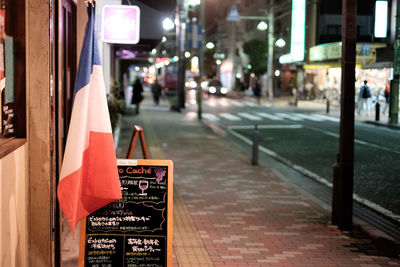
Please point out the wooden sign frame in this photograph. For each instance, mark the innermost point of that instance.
(169, 207)
(137, 131)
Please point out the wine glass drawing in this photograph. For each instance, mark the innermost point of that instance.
(143, 185)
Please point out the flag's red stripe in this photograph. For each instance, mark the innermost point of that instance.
(94, 183)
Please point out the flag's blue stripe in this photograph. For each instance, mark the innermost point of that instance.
(89, 54)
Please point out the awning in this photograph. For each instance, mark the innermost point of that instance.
(326, 65)
(379, 65)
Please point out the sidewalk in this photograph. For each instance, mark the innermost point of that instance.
(230, 213)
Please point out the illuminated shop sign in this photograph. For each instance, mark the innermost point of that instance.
(381, 18)
(365, 52)
(120, 24)
(297, 35)
(297, 39)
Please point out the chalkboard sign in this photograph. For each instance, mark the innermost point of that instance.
(136, 230)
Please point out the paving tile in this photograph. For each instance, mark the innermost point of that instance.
(230, 213)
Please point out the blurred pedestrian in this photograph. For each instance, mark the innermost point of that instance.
(386, 94)
(257, 92)
(156, 91)
(137, 94)
(363, 99)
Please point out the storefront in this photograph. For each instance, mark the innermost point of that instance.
(323, 73)
(40, 64)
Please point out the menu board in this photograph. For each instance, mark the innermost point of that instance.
(136, 230)
(7, 118)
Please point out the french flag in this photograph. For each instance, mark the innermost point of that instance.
(89, 175)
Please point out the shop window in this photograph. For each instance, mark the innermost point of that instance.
(12, 75)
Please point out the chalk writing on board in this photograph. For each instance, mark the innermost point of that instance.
(132, 231)
(134, 218)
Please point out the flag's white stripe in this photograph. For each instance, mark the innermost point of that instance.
(269, 116)
(249, 116)
(89, 114)
(210, 117)
(289, 116)
(230, 117)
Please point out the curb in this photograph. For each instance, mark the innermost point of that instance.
(380, 124)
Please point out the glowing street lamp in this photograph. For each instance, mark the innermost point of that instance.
(187, 54)
(210, 45)
(262, 26)
(280, 43)
(168, 24)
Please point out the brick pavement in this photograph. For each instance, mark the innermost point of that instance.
(229, 213)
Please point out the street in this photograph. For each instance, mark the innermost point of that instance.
(307, 140)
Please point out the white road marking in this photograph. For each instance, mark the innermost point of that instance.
(289, 116)
(308, 117)
(327, 117)
(237, 103)
(210, 117)
(272, 126)
(249, 116)
(250, 104)
(223, 103)
(269, 116)
(211, 103)
(356, 140)
(229, 116)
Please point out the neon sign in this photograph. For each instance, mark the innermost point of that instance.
(120, 24)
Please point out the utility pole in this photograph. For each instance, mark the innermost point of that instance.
(394, 87)
(201, 58)
(342, 197)
(270, 89)
(180, 42)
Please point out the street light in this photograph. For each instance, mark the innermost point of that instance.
(280, 43)
(210, 45)
(168, 24)
(187, 54)
(262, 26)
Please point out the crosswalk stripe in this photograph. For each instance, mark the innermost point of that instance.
(211, 103)
(237, 103)
(210, 117)
(249, 116)
(223, 103)
(289, 116)
(269, 116)
(308, 117)
(327, 117)
(250, 104)
(229, 116)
